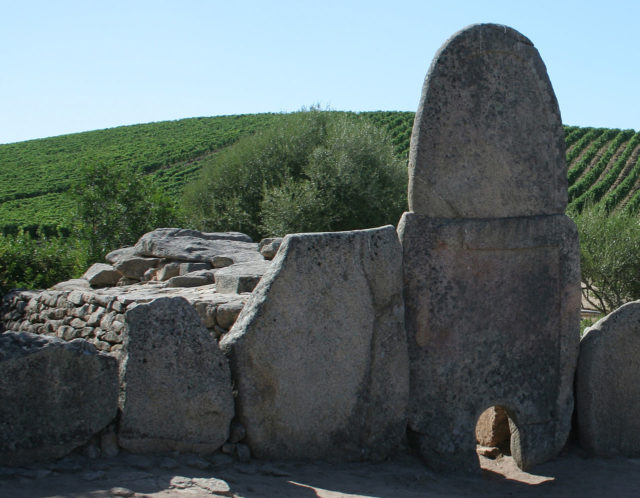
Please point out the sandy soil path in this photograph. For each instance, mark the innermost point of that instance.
(572, 474)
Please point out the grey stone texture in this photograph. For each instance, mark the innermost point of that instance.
(168, 271)
(102, 275)
(492, 429)
(319, 354)
(269, 247)
(487, 139)
(135, 267)
(54, 396)
(491, 264)
(175, 384)
(193, 279)
(119, 254)
(240, 277)
(492, 318)
(607, 384)
(72, 284)
(192, 245)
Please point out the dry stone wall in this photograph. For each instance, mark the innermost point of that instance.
(160, 318)
(99, 315)
(67, 315)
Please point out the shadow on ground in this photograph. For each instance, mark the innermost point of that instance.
(573, 473)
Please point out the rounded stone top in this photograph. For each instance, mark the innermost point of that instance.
(487, 139)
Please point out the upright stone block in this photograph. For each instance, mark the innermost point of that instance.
(491, 264)
(319, 352)
(492, 310)
(487, 139)
(54, 396)
(607, 387)
(175, 384)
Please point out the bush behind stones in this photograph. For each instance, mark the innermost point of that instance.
(315, 171)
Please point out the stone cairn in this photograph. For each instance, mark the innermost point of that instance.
(167, 262)
(336, 346)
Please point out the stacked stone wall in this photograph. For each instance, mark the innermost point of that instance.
(99, 318)
(67, 315)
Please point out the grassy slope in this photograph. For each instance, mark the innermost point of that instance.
(603, 165)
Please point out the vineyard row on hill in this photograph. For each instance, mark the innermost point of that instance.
(603, 165)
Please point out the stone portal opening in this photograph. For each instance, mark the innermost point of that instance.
(493, 434)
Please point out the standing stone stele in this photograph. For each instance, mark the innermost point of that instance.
(487, 138)
(607, 384)
(319, 353)
(491, 263)
(175, 384)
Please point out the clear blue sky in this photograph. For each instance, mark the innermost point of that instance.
(70, 66)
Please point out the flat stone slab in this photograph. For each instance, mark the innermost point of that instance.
(55, 396)
(492, 318)
(102, 275)
(135, 266)
(240, 277)
(487, 140)
(607, 384)
(193, 279)
(191, 245)
(119, 254)
(319, 354)
(175, 382)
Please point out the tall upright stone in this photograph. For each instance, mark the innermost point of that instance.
(319, 354)
(175, 383)
(491, 263)
(607, 387)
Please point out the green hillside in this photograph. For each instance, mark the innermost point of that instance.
(603, 164)
(35, 174)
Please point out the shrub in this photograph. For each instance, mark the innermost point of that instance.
(609, 257)
(312, 171)
(37, 262)
(351, 181)
(115, 206)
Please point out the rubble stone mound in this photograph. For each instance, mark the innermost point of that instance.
(55, 396)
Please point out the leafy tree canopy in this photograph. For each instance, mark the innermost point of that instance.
(115, 206)
(609, 257)
(313, 171)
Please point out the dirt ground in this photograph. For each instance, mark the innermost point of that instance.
(573, 473)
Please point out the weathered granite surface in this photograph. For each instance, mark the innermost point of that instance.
(55, 396)
(241, 277)
(319, 355)
(175, 384)
(607, 384)
(492, 429)
(192, 245)
(492, 318)
(487, 140)
(102, 275)
(491, 264)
